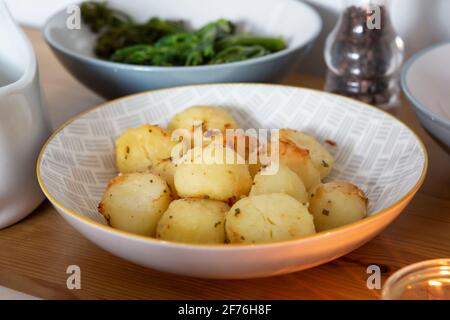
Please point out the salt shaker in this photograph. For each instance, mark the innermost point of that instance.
(364, 54)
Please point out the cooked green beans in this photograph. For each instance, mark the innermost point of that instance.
(160, 42)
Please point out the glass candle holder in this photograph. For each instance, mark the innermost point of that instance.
(427, 280)
(364, 54)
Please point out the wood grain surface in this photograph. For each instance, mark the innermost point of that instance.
(35, 253)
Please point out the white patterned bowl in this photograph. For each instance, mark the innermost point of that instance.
(373, 150)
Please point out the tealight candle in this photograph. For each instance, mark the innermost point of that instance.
(427, 280)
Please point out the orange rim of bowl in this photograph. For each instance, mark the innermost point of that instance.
(374, 216)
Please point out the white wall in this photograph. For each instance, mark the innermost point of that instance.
(421, 23)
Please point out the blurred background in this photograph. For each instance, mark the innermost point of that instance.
(421, 23)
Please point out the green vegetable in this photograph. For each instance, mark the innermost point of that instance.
(98, 16)
(177, 39)
(169, 43)
(211, 33)
(216, 30)
(116, 38)
(187, 46)
(239, 53)
(146, 55)
(271, 44)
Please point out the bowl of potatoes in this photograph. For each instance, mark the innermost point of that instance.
(231, 180)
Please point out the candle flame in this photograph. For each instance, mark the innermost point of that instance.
(434, 283)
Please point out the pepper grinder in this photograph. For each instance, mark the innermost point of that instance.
(364, 54)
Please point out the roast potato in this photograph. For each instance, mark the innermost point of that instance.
(248, 146)
(335, 204)
(298, 160)
(193, 221)
(197, 178)
(134, 202)
(267, 218)
(210, 118)
(166, 170)
(284, 181)
(254, 169)
(321, 158)
(137, 149)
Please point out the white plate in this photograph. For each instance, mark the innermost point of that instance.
(374, 150)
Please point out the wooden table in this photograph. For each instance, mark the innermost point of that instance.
(35, 253)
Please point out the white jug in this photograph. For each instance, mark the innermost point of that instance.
(23, 123)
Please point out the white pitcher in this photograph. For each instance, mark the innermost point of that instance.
(23, 123)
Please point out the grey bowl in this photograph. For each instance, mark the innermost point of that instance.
(425, 80)
(297, 22)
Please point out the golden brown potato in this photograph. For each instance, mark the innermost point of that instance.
(268, 218)
(193, 221)
(210, 117)
(166, 170)
(335, 204)
(247, 147)
(137, 149)
(322, 159)
(134, 202)
(197, 178)
(284, 181)
(254, 169)
(299, 161)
